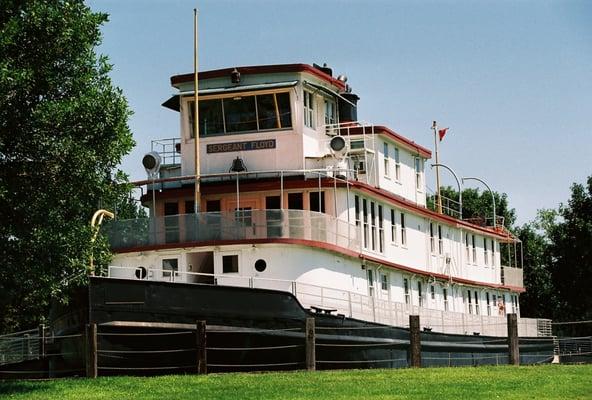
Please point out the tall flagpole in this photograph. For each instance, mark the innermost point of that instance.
(438, 197)
(196, 113)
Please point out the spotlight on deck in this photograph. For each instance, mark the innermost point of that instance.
(338, 146)
(238, 165)
(235, 76)
(151, 163)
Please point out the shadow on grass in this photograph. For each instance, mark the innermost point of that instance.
(17, 387)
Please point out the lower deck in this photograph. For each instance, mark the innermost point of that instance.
(341, 284)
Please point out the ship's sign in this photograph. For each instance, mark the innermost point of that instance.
(241, 146)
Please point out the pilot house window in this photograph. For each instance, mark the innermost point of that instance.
(242, 114)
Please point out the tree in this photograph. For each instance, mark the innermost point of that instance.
(476, 204)
(570, 249)
(63, 131)
(539, 300)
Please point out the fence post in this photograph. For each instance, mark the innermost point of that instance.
(310, 344)
(41, 335)
(513, 350)
(414, 341)
(91, 351)
(200, 334)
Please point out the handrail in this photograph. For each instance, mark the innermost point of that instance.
(351, 304)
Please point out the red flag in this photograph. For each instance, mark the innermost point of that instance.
(441, 133)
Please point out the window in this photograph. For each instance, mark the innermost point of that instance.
(488, 303)
(370, 275)
(308, 109)
(170, 266)
(380, 230)
(476, 303)
(171, 222)
(384, 282)
(406, 290)
(393, 227)
(470, 302)
(445, 294)
(467, 248)
(474, 250)
(213, 206)
(440, 241)
(432, 240)
(485, 255)
(365, 216)
(418, 173)
(295, 201)
(403, 230)
(397, 165)
(492, 253)
(386, 160)
(432, 292)
(373, 224)
(211, 117)
(230, 264)
(330, 112)
(419, 294)
(317, 203)
(242, 114)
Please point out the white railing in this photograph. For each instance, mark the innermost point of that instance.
(231, 225)
(350, 304)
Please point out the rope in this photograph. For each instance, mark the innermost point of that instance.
(254, 365)
(354, 327)
(356, 345)
(39, 372)
(146, 368)
(248, 330)
(589, 321)
(359, 361)
(145, 334)
(144, 351)
(255, 348)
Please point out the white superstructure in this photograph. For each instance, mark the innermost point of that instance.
(283, 206)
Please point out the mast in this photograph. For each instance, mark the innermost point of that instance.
(196, 113)
(438, 197)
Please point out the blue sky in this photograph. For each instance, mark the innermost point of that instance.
(512, 79)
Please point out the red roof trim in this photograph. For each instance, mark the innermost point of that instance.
(319, 245)
(260, 69)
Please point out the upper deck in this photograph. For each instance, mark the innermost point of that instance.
(283, 117)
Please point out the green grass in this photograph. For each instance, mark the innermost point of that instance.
(504, 382)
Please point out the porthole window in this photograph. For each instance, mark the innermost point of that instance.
(141, 273)
(260, 265)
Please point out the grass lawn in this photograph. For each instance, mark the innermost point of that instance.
(503, 382)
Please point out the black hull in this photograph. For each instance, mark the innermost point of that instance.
(148, 328)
